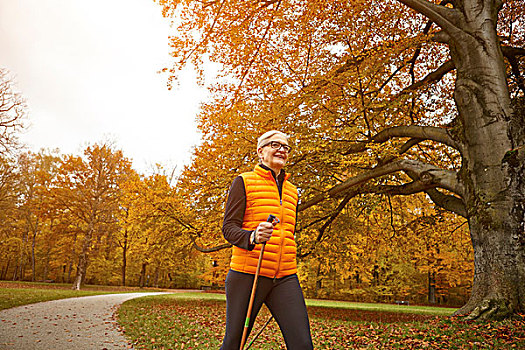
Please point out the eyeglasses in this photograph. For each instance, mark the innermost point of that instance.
(277, 145)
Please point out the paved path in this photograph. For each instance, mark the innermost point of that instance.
(75, 323)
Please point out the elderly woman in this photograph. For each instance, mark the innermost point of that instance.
(252, 197)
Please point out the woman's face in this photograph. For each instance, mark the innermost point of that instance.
(273, 158)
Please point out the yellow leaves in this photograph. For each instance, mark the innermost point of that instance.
(95, 210)
(362, 247)
(328, 73)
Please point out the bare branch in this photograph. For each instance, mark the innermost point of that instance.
(212, 249)
(331, 219)
(443, 16)
(441, 37)
(511, 53)
(436, 75)
(391, 217)
(409, 144)
(13, 110)
(433, 133)
(428, 174)
(401, 190)
(440, 135)
(508, 51)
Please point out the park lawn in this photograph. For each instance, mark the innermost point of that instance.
(22, 293)
(11, 297)
(196, 321)
(412, 309)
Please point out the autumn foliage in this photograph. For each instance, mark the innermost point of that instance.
(330, 74)
(93, 219)
(364, 92)
(62, 211)
(383, 99)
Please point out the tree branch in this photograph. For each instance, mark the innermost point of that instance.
(420, 132)
(333, 216)
(447, 202)
(436, 75)
(443, 16)
(212, 249)
(401, 190)
(207, 34)
(512, 51)
(391, 217)
(436, 134)
(259, 45)
(427, 174)
(511, 54)
(409, 144)
(413, 60)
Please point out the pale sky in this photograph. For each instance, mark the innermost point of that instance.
(89, 72)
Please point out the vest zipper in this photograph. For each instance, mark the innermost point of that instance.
(281, 229)
(281, 233)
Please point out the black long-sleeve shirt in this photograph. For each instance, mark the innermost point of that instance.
(235, 208)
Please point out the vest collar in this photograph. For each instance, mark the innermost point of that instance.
(265, 171)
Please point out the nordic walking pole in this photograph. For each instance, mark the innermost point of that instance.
(271, 219)
(258, 334)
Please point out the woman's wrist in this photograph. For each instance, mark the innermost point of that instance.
(253, 237)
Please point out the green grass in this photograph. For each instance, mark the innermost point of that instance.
(11, 297)
(196, 321)
(420, 310)
(14, 294)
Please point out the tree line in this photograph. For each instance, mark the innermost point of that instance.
(93, 219)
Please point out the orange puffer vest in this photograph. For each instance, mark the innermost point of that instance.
(262, 199)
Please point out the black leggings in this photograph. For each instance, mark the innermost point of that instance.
(283, 297)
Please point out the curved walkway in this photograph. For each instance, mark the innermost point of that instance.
(75, 323)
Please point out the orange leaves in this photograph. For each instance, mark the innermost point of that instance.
(374, 252)
(199, 324)
(331, 75)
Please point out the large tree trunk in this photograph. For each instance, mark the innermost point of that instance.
(71, 257)
(124, 257)
(33, 245)
(143, 282)
(6, 270)
(493, 165)
(19, 272)
(83, 260)
(431, 287)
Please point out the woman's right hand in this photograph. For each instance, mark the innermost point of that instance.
(263, 232)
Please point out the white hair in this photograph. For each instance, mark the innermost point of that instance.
(267, 135)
